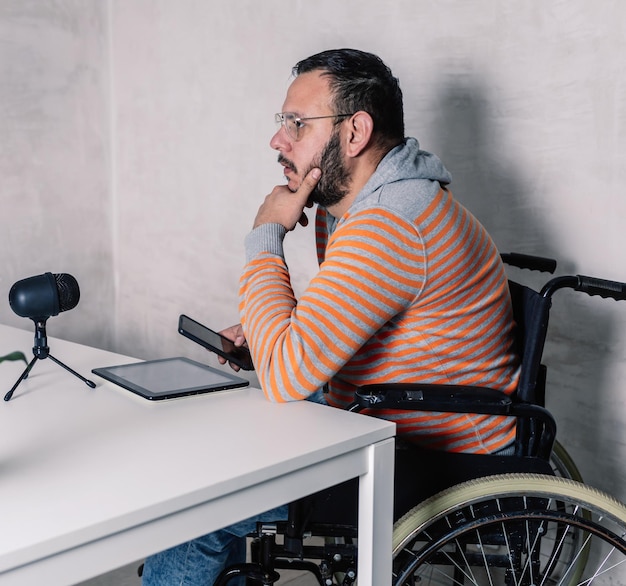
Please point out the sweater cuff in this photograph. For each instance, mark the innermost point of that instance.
(265, 238)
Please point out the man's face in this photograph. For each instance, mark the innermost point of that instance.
(318, 144)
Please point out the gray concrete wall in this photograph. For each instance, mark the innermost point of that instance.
(134, 154)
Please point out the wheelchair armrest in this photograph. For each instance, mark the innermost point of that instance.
(425, 397)
(459, 399)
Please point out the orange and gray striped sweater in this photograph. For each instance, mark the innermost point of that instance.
(410, 288)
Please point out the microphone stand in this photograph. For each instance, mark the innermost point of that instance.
(42, 351)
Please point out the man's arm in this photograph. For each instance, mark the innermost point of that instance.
(374, 269)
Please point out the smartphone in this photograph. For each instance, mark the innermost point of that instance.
(215, 342)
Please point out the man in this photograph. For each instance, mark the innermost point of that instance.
(410, 286)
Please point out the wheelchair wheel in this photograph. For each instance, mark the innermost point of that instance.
(517, 529)
(562, 463)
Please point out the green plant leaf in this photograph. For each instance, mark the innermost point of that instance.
(14, 356)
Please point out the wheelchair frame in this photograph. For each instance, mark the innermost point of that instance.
(522, 520)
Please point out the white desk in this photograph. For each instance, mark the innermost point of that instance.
(93, 479)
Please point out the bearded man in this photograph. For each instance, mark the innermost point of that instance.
(410, 287)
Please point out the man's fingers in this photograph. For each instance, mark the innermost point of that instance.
(304, 191)
(309, 183)
(284, 206)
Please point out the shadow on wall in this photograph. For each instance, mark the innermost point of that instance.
(470, 136)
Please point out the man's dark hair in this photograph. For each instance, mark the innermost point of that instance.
(361, 81)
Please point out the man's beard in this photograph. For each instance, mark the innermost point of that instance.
(335, 180)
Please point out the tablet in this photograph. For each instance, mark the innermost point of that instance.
(169, 377)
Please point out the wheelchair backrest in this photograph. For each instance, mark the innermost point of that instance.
(531, 313)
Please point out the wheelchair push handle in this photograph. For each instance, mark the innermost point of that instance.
(602, 287)
(528, 261)
(590, 285)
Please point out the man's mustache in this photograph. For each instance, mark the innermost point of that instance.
(287, 163)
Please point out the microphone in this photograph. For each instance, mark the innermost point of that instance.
(44, 296)
(39, 298)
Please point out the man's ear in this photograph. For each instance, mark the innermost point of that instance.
(360, 128)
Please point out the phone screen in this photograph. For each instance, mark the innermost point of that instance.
(215, 342)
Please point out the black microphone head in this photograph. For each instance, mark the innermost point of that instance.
(43, 296)
(69, 292)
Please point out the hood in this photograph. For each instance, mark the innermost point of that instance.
(406, 162)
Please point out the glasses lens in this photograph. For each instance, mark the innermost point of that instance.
(291, 125)
(288, 120)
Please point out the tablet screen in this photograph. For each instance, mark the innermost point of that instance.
(169, 377)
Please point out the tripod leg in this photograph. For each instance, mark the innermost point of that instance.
(8, 396)
(89, 383)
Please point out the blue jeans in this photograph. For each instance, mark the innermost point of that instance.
(200, 561)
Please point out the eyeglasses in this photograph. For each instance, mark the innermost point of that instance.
(294, 123)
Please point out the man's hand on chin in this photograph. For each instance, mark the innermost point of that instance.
(286, 207)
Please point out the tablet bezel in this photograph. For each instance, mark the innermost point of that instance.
(115, 373)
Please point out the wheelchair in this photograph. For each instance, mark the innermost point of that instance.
(524, 519)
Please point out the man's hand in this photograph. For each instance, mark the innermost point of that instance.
(286, 207)
(236, 335)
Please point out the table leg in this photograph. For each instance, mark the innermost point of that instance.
(376, 516)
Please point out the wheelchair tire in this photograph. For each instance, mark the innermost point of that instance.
(518, 529)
